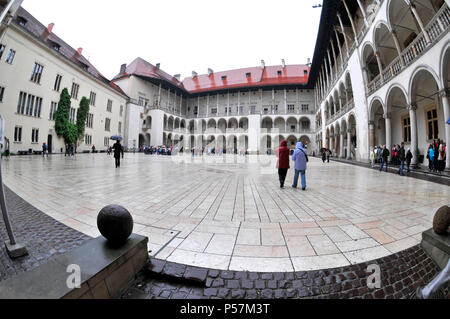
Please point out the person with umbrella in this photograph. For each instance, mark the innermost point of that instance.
(117, 148)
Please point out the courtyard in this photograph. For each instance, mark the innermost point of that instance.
(228, 213)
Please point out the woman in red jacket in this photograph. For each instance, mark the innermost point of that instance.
(283, 162)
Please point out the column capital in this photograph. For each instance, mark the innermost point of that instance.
(412, 107)
(444, 93)
(387, 115)
(371, 123)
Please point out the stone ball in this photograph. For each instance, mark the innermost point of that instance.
(441, 221)
(115, 223)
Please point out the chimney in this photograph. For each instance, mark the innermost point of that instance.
(123, 68)
(158, 65)
(263, 64)
(47, 31)
(283, 63)
(77, 54)
(210, 71)
(177, 76)
(309, 61)
(194, 74)
(80, 50)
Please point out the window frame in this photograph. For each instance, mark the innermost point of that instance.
(10, 57)
(427, 109)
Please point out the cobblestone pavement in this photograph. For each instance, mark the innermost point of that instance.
(229, 213)
(401, 274)
(43, 237)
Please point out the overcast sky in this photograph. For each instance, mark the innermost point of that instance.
(184, 35)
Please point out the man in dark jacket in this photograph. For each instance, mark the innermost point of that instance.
(402, 157)
(409, 157)
(117, 152)
(384, 157)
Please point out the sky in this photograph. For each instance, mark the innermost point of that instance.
(184, 35)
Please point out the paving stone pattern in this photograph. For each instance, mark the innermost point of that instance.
(43, 237)
(228, 212)
(401, 274)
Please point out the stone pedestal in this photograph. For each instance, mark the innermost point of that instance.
(437, 247)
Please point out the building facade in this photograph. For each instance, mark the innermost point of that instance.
(35, 66)
(246, 110)
(381, 76)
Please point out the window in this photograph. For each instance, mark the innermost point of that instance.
(57, 83)
(18, 134)
(224, 78)
(53, 108)
(2, 92)
(121, 110)
(291, 108)
(74, 93)
(72, 115)
(22, 21)
(106, 141)
(90, 120)
(143, 101)
(29, 103)
(37, 73)
(10, 56)
(92, 98)
(248, 75)
(88, 139)
(305, 107)
(120, 127)
(35, 135)
(214, 111)
(280, 73)
(2, 49)
(107, 125)
(109, 106)
(406, 129)
(432, 123)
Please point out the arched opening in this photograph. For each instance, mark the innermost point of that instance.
(327, 139)
(378, 135)
(267, 125)
(345, 136)
(266, 144)
(343, 94)
(221, 143)
(243, 144)
(203, 126)
(292, 125)
(177, 124)
(349, 87)
(337, 101)
(232, 145)
(222, 126)
(280, 125)
(429, 113)
(148, 139)
(337, 140)
(233, 125)
(191, 127)
(141, 141)
(353, 145)
(305, 125)
(277, 141)
(212, 126)
(306, 142)
(164, 139)
(148, 122)
(211, 143)
(370, 63)
(243, 124)
(332, 106)
(169, 141)
(292, 142)
(385, 44)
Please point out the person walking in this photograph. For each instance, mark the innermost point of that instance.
(93, 148)
(372, 157)
(384, 158)
(44, 150)
(324, 156)
(430, 157)
(117, 148)
(283, 162)
(409, 157)
(401, 157)
(441, 159)
(300, 158)
(328, 155)
(7, 154)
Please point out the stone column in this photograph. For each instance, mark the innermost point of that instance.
(380, 65)
(363, 12)
(387, 119)
(419, 21)
(351, 21)
(372, 134)
(349, 144)
(397, 46)
(335, 59)
(331, 67)
(341, 155)
(207, 106)
(414, 136)
(446, 106)
(339, 48)
(343, 33)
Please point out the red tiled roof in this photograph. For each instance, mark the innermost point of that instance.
(38, 30)
(233, 79)
(290, 75)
